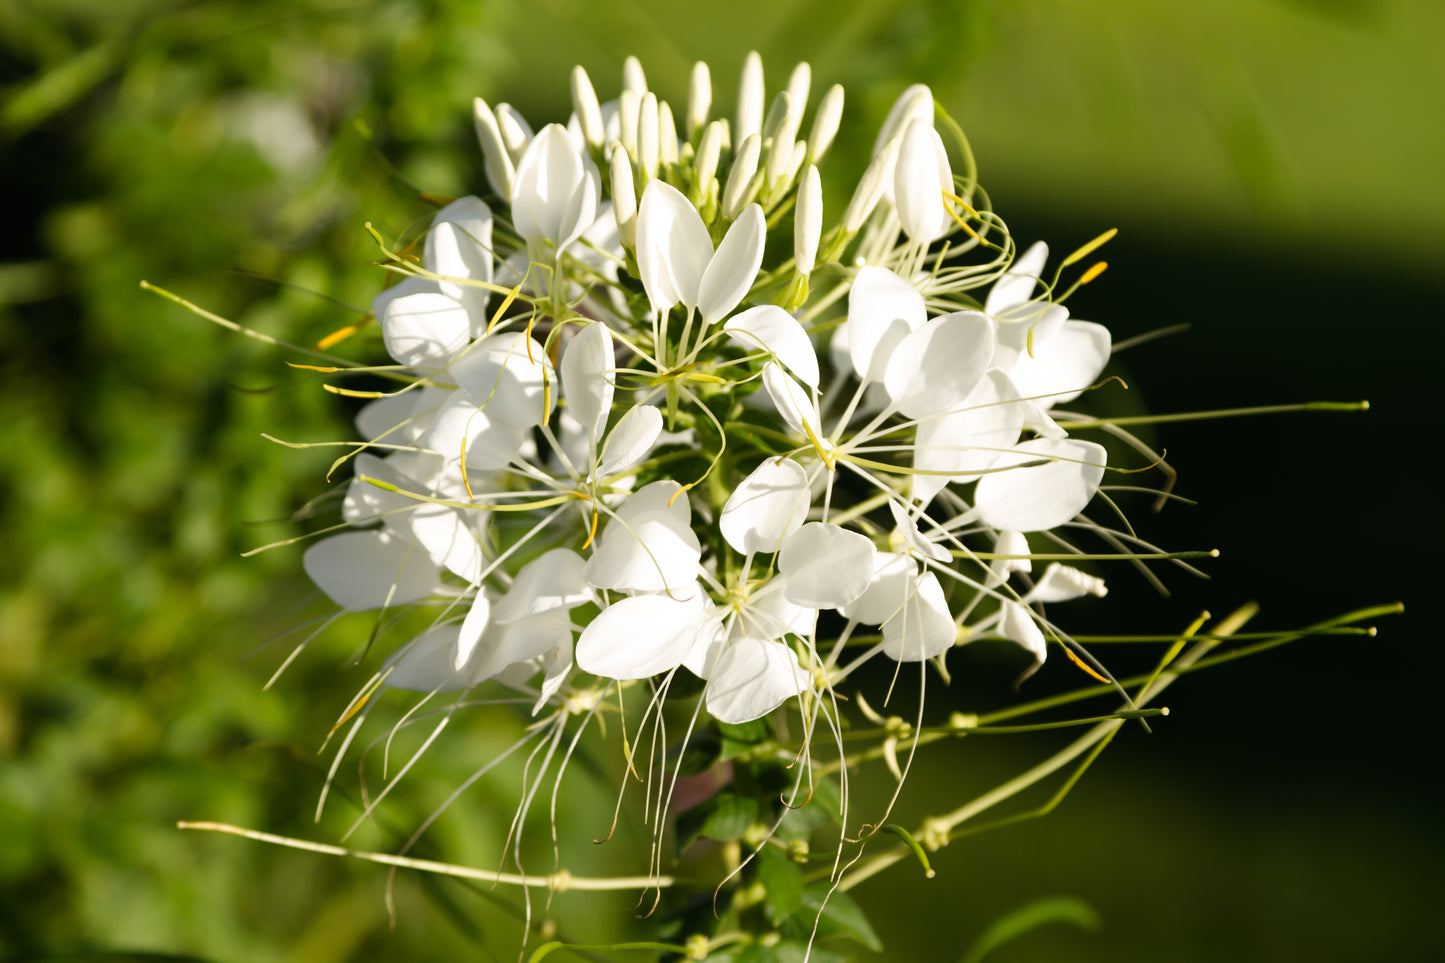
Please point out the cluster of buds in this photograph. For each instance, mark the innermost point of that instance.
(633, 433)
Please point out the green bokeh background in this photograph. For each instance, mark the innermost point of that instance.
(1274, 167)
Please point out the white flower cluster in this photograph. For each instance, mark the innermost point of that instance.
(655, 416)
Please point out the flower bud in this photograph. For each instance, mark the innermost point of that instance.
(750, 98)
(915, 103)
(627, 109)
(808, 220)
(516, 133)
(589, 112)
(870, 188)
(500, 168)
(921, 177)
(709, 150)
(633, 78)
(800, 83)
(740, 187)
(825, 123)
(780, 154)
(666, 134)
(624, 194)
(699, 98)
(647, 149)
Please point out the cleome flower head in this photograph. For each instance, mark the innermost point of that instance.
(662, 423)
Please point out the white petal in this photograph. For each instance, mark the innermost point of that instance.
(1017, 623)
(792, 402)
(506, 375)
(649, 553)
(894, 578)
(479, 616)
(673, 247)
(550, 582)
(882, 310)
(766, 507)
(521, 641)
(459, 245)
(1024, 330)
(969, 440)
(448, 539)
(936, 367)
(1009, 543)
(778, 332)
(753, 677)
(919, 180)
(914, 536)
(733, 267)
(1043, 496)
(923, 628)
(463, 428)
(589, 378)
(769, 615)
(630, 440)
(1065, 365)
(1017, 286)
(636, 638)
(664, 494)
(1060, 583)
(556, 189)
(427, 663)
(424, 330)
(366, 570)
(825, 566)
(400, 419)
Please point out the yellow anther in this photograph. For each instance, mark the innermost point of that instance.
(337, 336)
(591, 531)
(506, 303)
(1090, 248)
(324, 369)
(350, 393)
(1094, 271)
(1083, 665)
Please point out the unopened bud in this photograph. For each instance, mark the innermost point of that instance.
(740, 185)
(589, 112)
(633, 78)
(915, 103)
(825, 123)
(750, 98)
(624, 194)
(808, 220)
(800, 84)
(627, 108)
(709, 150)
(666, 134)
(870, 188)
(699, 98)
(516, 132)
(647, 149)
(499, 166)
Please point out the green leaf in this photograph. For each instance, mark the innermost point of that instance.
(841, 917)
(1031, 916)
(744, 737)
(820, 810)
(725, 816)
(782, 880)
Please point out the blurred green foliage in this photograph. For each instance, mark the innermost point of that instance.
(230, 151)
